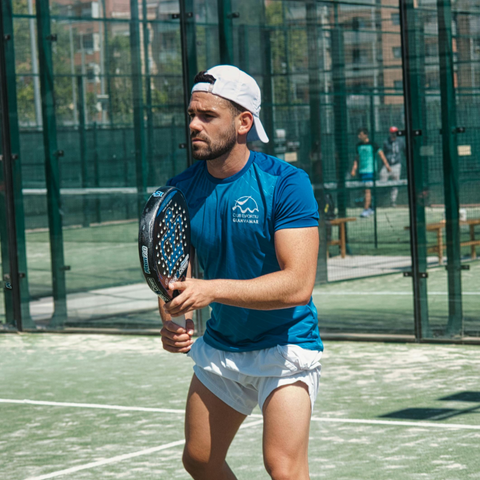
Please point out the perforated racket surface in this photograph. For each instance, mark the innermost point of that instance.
(164, 242)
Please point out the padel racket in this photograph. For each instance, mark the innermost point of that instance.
(164, 242)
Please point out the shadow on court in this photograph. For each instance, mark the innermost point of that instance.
(440, 413)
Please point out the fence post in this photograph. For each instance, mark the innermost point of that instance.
(413, 88)
(138, 110)
(315, 129)
(148, 87)
(340, 112)
(10, 82)
(52, 171)
(225, 33)
(450, 168)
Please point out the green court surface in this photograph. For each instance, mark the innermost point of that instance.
(384, 304)
(105, 255)
(99, 256)
(89, 407)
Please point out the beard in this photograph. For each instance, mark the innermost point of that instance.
(213, 149)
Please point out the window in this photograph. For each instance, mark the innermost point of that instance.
(395, 19)
(358, 23)
(93, 71)
(431, 50)
(397, 52)
(356, 55)
(86, 41)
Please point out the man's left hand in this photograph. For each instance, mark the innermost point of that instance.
(195, 294)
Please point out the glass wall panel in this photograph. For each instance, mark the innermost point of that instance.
(97, 87)
(466, 41)
(359, 172)
(4, 253)
(110, 128)
(450, 163)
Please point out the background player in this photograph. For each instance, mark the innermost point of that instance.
(365, 163)
(394, 150)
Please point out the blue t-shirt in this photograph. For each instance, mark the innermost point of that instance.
(233, 222)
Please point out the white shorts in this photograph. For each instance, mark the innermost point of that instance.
(244, 379)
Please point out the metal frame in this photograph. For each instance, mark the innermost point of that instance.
(414, 121)
(10, 110)
(451, 186)
(315, 133)
(52, 168)
(11, 278)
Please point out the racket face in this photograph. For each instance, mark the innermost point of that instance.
(164, 240)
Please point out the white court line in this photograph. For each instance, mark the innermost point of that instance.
(120, 458)
(91, 405)
(107, 461)
(398, 423)
(316, 292)
(315, 419)
(177, 443)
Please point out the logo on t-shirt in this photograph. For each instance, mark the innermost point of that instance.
(244, 210)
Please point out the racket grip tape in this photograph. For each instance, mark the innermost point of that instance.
(180, 321)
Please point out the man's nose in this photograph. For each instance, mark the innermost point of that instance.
(195, 125)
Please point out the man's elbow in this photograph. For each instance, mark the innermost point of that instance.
(305, 300)
(301, 297)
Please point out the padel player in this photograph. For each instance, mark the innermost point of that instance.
(394, 149)
(364, 162)
(254, 228)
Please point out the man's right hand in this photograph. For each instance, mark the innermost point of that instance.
(177, 339)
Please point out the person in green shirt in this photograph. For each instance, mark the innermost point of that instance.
(365, 165)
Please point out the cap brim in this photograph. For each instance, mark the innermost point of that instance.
(257, 132)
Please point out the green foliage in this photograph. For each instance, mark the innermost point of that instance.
(20, 7)
(23, 65)
(289, 51)
(25, 105)
(118, 67)
(274, 13)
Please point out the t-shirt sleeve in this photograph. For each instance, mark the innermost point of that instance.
(375, 146)
(294, 203)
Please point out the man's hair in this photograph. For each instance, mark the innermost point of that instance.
(362, 130)
(203, 77)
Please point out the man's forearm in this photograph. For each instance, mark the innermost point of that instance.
(291, 286)
(265, 293)
(272, 291)
(384, 160)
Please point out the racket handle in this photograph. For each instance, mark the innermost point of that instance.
(180, 321)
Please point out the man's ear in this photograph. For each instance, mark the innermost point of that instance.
(245, 122)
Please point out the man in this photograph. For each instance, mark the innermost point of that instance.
(394, 150)
(365, 163)
(254, 227)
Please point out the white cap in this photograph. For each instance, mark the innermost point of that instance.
(239, 87)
